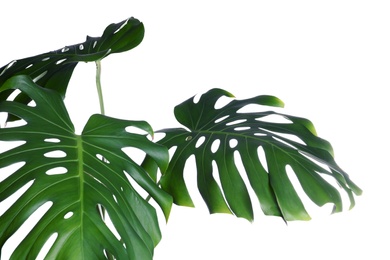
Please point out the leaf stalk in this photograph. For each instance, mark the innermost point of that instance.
(99, 86)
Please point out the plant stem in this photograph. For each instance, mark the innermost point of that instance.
(99, 86)
(101, 103)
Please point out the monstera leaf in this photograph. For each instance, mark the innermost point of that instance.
(223, 136)
(54, 69)
(75, 174)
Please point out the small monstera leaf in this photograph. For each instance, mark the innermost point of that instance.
(54, 69)
(222, 136)
(85, 172)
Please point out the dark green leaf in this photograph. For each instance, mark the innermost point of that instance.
(286, 144)
(53, 69)
(97, 172)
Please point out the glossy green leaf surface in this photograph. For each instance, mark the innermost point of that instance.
(219, 138)
(94, 171)
(53, 69)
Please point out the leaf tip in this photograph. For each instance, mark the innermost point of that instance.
(273, 101)
(167, 210)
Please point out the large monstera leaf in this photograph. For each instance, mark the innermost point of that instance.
(222, 136)
(85, 172)
(54, 69)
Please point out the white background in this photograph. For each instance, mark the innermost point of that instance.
(329, 61)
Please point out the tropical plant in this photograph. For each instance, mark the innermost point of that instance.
(88, 180)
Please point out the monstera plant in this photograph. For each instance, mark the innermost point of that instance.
(87, 180)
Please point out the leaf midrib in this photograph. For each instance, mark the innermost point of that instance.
(80, 168)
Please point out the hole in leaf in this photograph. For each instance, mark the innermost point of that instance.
(8, 66)
(9, 145)
(215, 146)
(296, 184)
(11, 64)
(236, 122)
(290, 137)
(32, 104)
(222, 101)
(65, 49)
(242, 128)
(137, 155)
(260, 134)
(57, 171)
(14, 94)
(46, 58)
(55, 154)
(275, 118)
(16, 123)
(94, 44)
(190, 178)
(233, 143)
(200, 141)
(68, 215)
(13, 242)
(188, 138)
(10, 169)
(29, 66)
(81, 47)
(109, 223)
(60, 61)
(105, 252)
(172, 151)
(310, 157)
(331, 180)
(46, 247)
(120, 28)
(12, 124)
(101, 158)
(133, 183)
(284, 142)
(40, 76)
(217, 178)
(52, 140)
(196, 98)
(215, 173)
(96, 179)
(221, 119)
(135, 130)
(250, 108)
(5, 204)
(262, 157)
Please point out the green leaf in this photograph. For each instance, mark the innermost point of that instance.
(53, 69)
(241, 135)
(96, 172)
